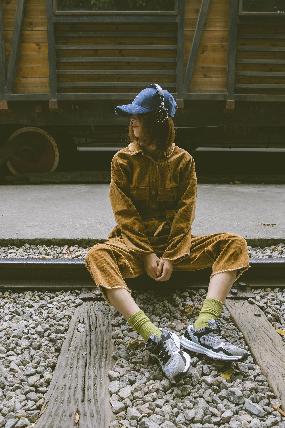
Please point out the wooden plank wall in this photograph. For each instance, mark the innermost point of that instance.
(115, 57)
(260, 60)
(77, 73)
(261, 55)
(210, 73)
(32, 71)
(32, 66)
(123, 57)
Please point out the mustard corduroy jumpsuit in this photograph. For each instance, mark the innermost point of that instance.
(154, 206)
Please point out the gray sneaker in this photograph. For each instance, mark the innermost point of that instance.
(174, 362)
(207, 341)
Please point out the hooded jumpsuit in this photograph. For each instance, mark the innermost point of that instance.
(154, 207)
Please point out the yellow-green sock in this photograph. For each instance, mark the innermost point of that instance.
(211, 309)
(142, 324)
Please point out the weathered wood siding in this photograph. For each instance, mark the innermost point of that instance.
(210, 72)
(99, 57)
(261, 55)
(32, 70)
(32, 65)
(123, 57)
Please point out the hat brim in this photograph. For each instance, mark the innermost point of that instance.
(131, 109)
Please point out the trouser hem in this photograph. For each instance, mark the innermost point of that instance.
(109, 287)
(241, 270)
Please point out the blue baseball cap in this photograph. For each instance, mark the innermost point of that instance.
(149, 100)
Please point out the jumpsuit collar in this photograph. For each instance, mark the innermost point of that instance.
(135, 148)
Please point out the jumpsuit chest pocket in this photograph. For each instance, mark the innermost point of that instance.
(140, 193)
(167, 194)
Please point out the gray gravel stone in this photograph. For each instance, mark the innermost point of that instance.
(133, 413)
(125, 392)
(254, 408)
(199, 414)
(244, 417)
(11, 423)
(271, 422)
(234, 424)
(125, 423)
(32, 396)
(114, 387)
(190, 414)
(235, 395)
(168, 424)
(117, 406)
(14, 367)
(226, 416)
(30, 371)
(255, 423)
(147, 423)
(32, 380)
(158, 419)
(23, 422)
(113, 375)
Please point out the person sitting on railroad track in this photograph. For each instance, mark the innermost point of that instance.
(153, 194)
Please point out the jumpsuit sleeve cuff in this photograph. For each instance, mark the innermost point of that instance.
(180, 251)
(177, 259)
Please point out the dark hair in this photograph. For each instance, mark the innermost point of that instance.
(161, 134)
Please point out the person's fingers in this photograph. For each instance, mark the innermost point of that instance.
(165, 273)
(151, 266)
(154, 269)
(160, 267)
(161, 279)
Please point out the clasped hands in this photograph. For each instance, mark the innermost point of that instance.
(158, 268)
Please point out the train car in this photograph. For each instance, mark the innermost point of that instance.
(65, 64)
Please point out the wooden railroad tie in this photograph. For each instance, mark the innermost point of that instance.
(264, 342)
(78, 394)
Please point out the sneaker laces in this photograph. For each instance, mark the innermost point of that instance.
(166, 349)
(213, 327)
(213, 330)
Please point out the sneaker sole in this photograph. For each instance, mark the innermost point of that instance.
(181, 375)
(187, 357)
(188, 362)
(195, 347)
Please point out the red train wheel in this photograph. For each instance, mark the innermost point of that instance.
(35, 151)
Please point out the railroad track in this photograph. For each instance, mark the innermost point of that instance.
(13, 271)
(78, 394)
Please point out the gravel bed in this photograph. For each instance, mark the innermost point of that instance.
(78, 252)
(215, 394)
(32, 331)
(34, 324)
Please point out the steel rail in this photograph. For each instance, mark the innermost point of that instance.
(74, 270)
